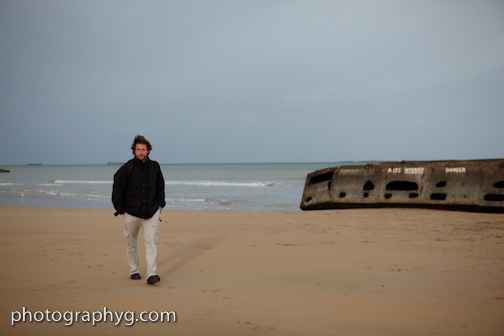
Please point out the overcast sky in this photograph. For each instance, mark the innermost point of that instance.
(251, 81)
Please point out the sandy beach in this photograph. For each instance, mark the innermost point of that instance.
(345, 272)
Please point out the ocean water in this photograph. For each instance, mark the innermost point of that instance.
(214, 187)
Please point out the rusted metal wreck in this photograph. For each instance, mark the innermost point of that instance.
(469, 185)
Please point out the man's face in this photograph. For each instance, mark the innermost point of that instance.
(141, 152)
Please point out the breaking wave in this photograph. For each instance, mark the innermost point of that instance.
(191, 183)
(224, 184)
(204, 200)
(82, 182)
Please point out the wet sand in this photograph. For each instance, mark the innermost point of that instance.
(345, 272)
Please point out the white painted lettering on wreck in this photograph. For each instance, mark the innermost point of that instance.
(455, 170)
(394, 170)
(417, 170)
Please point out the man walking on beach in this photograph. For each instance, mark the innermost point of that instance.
(138, 194)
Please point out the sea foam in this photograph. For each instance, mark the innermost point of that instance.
(81, 182)
(224, 184)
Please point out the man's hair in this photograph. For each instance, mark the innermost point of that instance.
(140, 140)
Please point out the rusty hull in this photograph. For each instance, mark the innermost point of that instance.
(466, 185)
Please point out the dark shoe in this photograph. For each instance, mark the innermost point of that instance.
(135, 276)
(153, 279)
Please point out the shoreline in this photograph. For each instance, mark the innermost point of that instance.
(360, 272)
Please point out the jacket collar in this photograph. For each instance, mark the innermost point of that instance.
(137, 161)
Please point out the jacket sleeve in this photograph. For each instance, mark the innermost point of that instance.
(160, 189)
(118, 191)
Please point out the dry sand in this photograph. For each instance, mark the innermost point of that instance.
(346, 272)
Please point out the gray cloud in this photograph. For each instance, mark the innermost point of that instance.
(240, 81)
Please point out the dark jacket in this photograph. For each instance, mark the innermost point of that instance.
(138, 188)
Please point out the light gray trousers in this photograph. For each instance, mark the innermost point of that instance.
(150, 226)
